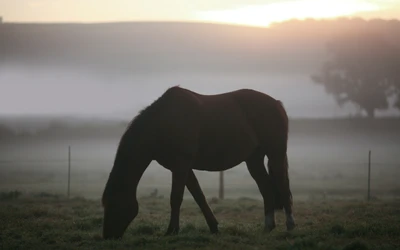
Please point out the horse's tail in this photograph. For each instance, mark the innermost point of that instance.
(278, 165)
(278, 171)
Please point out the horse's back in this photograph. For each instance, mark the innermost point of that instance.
(266, 114)
(220, 130)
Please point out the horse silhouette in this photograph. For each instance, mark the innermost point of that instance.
(182, 131)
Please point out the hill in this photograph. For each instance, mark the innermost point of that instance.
(159, 47)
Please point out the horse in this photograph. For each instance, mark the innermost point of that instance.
(184, 131)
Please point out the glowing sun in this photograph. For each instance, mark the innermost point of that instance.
(264, 15)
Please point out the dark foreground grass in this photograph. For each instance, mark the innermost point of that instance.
(52, 222)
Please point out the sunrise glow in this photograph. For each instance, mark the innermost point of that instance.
(264, 15)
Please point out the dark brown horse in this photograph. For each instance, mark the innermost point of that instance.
(182, 131)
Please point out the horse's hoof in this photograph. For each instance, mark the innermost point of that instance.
(269, 228)
(172, 231)
(269, 223)
(214, 230)
(290, 225)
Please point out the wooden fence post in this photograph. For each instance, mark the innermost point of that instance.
(69, 170)
(369, 176)
(221, 185)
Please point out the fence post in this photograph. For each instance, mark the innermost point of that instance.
(69, 169)
(369, 176)
(221, 185)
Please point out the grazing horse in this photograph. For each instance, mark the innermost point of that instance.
(182, 131)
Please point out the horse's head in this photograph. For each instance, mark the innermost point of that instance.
(120, 208)
(119, 197)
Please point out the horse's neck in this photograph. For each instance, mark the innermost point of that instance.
(134, 153)
(130, 164)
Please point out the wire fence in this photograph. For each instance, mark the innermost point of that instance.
(79, 176)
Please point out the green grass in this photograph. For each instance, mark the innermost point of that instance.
(46, 221)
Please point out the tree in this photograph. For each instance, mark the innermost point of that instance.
(363, 70)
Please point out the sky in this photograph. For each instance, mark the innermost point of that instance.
(246, 12)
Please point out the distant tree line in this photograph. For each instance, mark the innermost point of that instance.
(364, 69)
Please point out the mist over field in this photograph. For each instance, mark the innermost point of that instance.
(328, 158)
(113, 70)
(79, 85)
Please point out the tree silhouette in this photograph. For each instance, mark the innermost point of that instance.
(362, 69)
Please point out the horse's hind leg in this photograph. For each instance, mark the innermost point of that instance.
(255, 165)
(278, 167)
(194, 188)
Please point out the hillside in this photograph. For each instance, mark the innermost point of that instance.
(144, 47)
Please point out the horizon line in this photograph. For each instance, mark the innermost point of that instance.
(202, 21)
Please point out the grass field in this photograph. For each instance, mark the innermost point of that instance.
(328, 172)
(44, 221)
(327, 157)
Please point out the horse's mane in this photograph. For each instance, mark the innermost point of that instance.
(138, 120)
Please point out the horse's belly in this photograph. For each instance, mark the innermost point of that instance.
(215, 166)
(214, 158)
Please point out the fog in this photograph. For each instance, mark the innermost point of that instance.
(70, 94)
(113, 70)
(326, 158)
(62, 92)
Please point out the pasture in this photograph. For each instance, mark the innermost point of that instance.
(46, 221)
(326, 158)
(328, 173)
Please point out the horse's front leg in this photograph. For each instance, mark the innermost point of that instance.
(179, 176)
(194, 188)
